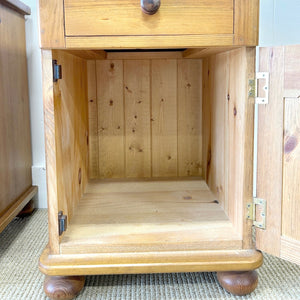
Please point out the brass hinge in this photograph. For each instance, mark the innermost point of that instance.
(251, 212)
(62, 222)
(57, 71)
(253, 88)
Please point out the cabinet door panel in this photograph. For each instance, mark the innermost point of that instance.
(278, 172)
(291, 179)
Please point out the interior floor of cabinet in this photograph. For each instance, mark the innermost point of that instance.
(148, 215)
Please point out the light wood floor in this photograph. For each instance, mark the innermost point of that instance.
(148, 215)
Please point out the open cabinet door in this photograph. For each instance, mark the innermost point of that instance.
(278, 155)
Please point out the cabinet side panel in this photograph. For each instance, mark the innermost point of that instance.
(240, 138)
(15, 145)
(93, 120)
(50, 145)
(206, 125)
(228, 132)
(52, 31)
(71, 130)
(215, 90)
(249, 74)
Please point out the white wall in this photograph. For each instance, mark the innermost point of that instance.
(279, 25)
(279, 22)
(36, 104)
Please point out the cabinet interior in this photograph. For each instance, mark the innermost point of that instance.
(152, 149)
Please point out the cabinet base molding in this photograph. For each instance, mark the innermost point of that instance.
(238, 283)
(63, 287)
(17, 207)
(148, 262)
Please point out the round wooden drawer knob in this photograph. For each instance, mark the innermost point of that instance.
(150, 7)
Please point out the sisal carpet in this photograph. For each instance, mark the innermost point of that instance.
(23, 240)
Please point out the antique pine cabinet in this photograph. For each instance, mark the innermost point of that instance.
(156, 138)
(16, 190)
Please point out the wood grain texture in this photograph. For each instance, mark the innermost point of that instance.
(17, 6)
(278, 163)
(151, 262)
(126, 18)
(148, 42)
(238, 283)
(137, 118)
(215, 91)
(89, 54)
(227, 132)
(145, 214)
(17, 207)
(249, 73)
(51, 152)
(246, 16)
(240, 139)
(291, 169)
(236, 136)
(111, 123)
(269, 158)
(144, 55)
(144, 122)
(164, 118)
(71, 128)
(138, 185)
(189, 106)
(15, 146)
(63, 287)
(93, 120)
(292, 69)
(204, 52)
(206, 125)
(290, 249)
(52, 31)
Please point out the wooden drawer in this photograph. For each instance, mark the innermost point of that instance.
(121, 24)
(124, 17)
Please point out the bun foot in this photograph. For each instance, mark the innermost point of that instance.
(238, 283)
(63, 287)
(27, 210)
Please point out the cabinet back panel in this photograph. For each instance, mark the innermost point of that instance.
(137, 120)
(149, 118)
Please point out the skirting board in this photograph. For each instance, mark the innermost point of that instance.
(39, 179)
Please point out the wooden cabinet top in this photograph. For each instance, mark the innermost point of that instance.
(17, 5)
(102, 24)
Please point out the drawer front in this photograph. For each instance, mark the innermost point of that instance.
(124, 17)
